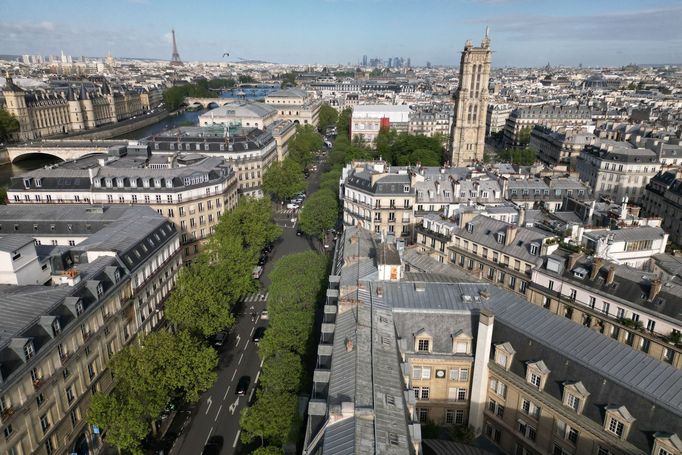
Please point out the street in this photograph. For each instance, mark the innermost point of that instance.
(215, 416)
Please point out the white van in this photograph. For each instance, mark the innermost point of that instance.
(257, 272)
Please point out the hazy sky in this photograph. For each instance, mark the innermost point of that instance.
(523, 32)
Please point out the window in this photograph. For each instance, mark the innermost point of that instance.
(8, 430)
(530, 408)
(500, 388)
(69, 394)
(423, 345)
(535, 380)
(423, 415)
(425, 393)
(459, 374)
(44, 423)
(29, 351)
(573, 402)
(526, 430)
(501, 359)
(421, 372)
(567, 432)
(616, 426)
(40, 399)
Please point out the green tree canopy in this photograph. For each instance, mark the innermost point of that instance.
(330, 179)
(281, 373)
(251, 221)
(328, 117)
(304, 145)
(123, 419)
(343, 123)
(284, 179)
(269, 450)
(319, 213)
(198, 303)
(402, 149)
(260, 422)
(246, 79)
(525, 156)
(8, 125)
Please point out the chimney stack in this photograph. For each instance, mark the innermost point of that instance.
(510, 234)
(573, 260)
(522, 217)
(655, 288)
(611, 275)
(596, 265)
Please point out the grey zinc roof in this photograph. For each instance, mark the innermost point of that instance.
(339, 438)
(11, 243)
(629, 234)
(342, 379)
(21, 305)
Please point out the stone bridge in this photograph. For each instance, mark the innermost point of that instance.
(209, 103)
(64, 150)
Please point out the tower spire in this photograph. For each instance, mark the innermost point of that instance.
(175, 58)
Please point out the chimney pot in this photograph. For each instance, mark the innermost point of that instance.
(611, 275)
(655, 288)
(573, 260)
(596, 265)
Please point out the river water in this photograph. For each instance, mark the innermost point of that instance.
(185, 118)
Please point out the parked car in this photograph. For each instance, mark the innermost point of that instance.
(263, 259)
(257, 272)
(213, 446)
(258, 334)
(293, 205)
(219, 339)
(264, 314)
(242, 385)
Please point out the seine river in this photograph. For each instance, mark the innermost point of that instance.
(183, 119)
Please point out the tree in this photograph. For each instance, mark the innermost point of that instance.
(8, 125)
(319, 213)
(281, 373)
(328, 117)
(524, 135)
(122, 419)
(260, 422)
(289, 79)
(304, 145)
(330, 180)
(284, 179)
(296, 281)
(3, 195)
(343, 123)
(246, 79)
(198, 303)
(251, 222)
(269, 450)
(402, 149)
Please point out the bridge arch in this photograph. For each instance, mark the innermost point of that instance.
(49, 158)
(212, 105)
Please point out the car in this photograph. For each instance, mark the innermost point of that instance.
(263, 259)
(293, 205)
(258, 334)
(257, 272)
(299, 232)
(264, 315)
(242, 385)
(219, 339)
(213, 446)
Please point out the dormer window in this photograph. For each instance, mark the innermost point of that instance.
(504, 353)
(27, 183)
(424, 345)
(534, 248)
(108, 183)
(100, 290)
(536, 373)
(406, 188)
(119, 182)
(117, 275)
(618, 421)
(461, 343)
(79, 308)
(29, 351)
(56, 327)
(39, 182)
(500, 236)
(575, 396)
(470, 227)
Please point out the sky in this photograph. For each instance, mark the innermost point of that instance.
(523, 32)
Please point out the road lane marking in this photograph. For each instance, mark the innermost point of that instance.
(233, 406)
(236, 438)
(257, 376)
(252, 392)
(233, 375)
(238, 338)
(210, 402)
(240, 359)
(218, 413)
(246, 345)
(261, 363)
(228, 389)
(252, 329)
(209, 436)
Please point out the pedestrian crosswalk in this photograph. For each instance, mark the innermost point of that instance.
(286, 211)
(255, 297)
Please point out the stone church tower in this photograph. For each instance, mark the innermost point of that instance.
(467, 138)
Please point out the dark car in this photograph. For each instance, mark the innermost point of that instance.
(263, 259)
(258, 334)
(242, 385)
(219, 339)
(213, 446)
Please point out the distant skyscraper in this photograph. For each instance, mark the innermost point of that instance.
(364, 60)
(428, 64)
(175, 58)
(467, 138)
(409, 62)
(390, 62)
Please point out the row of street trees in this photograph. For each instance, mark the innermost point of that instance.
(297, 284)
(8, 125)
(177, 363)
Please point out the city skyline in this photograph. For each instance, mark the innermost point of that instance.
(607, 33)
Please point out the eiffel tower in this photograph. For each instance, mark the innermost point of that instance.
(175, 58)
